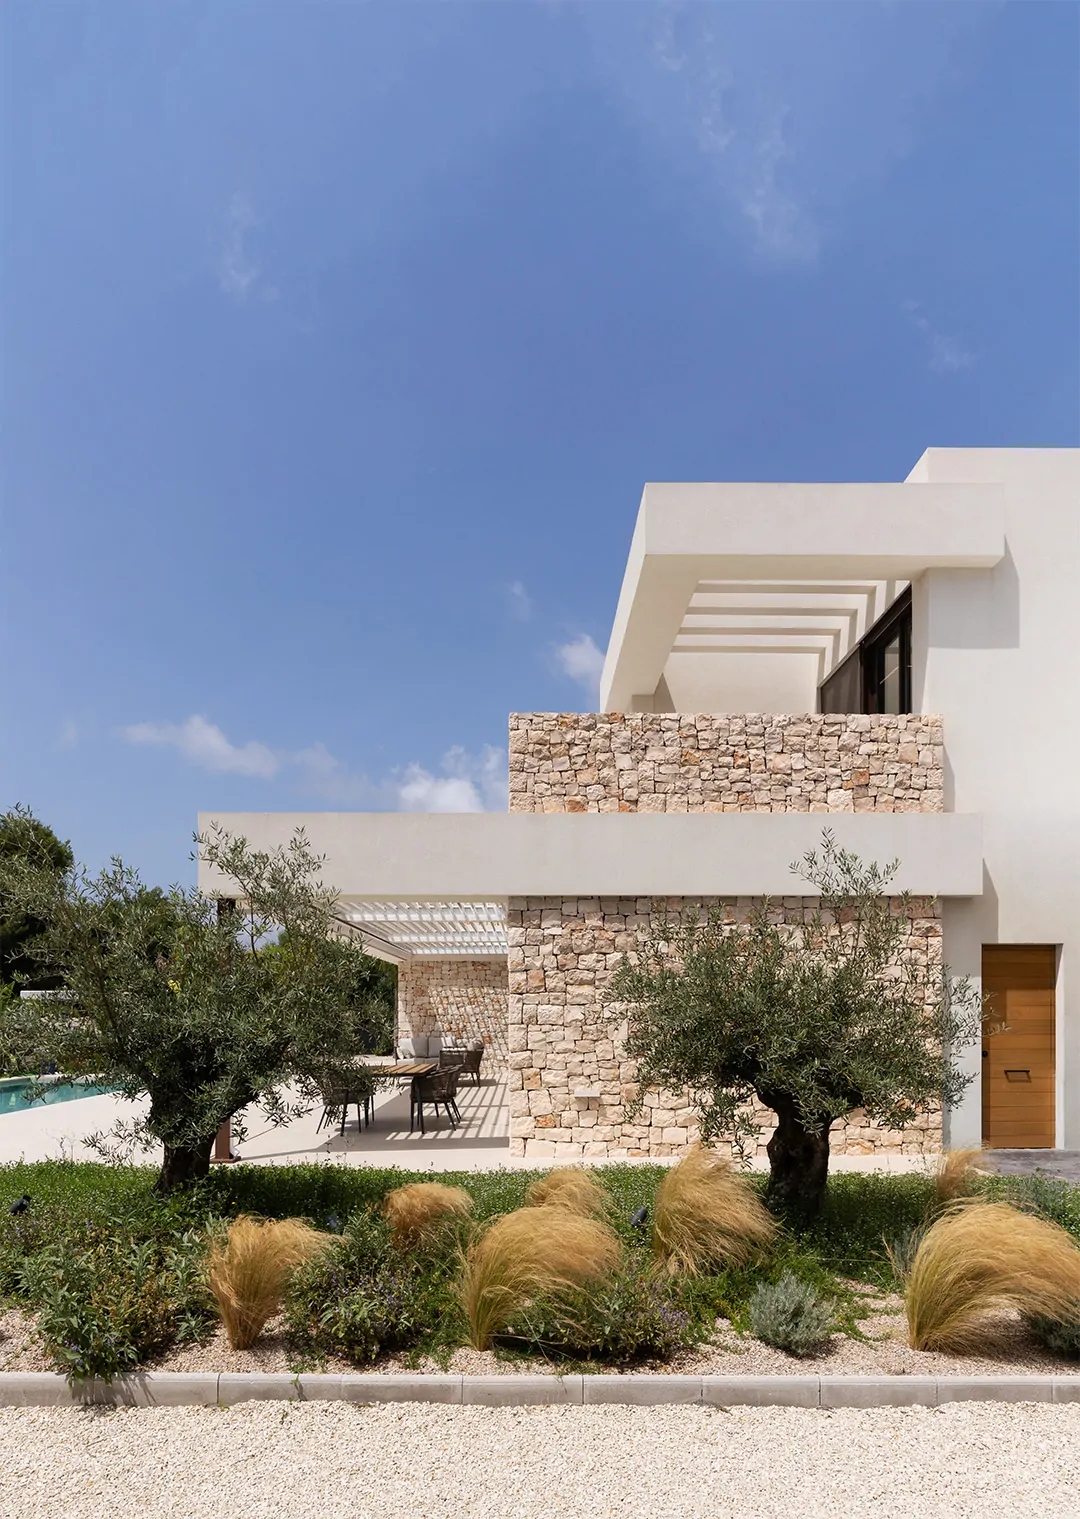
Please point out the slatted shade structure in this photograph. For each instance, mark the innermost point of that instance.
(400, 930)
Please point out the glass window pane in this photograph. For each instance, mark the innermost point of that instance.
(890, 676)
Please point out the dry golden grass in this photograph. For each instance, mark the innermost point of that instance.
(568, 1187)
(979, 1258)
(956, 1173)
(421, 1211)
(530, 1254)
(248, 1271)
(706, 1215)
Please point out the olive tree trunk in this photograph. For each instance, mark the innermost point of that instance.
(798, 1162)
(184, 1164)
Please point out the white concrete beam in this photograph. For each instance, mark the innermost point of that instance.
(484, 856)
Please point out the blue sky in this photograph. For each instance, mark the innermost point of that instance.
(340, 339)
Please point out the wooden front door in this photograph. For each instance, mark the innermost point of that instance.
(1018, 1061)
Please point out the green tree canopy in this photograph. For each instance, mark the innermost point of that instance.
(26, 838)
(843, 1012)
(170, 998)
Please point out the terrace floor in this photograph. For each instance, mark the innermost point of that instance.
(480, 1142)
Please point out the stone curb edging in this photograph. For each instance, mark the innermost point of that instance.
(164, 1389)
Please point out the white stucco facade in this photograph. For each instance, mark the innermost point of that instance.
(706, 772)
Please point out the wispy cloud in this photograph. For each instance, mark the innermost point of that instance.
(945, 354)
(239, 274)
(520, 601)
(464, 782)
(782, 225)
(583, 662)
(69, 734)
(203, 742)
(468, 783)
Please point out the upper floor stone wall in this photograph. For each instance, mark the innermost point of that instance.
(718, 762)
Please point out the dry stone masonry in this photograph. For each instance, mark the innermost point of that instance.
(569, 1086)
(456, 995)
(708, 762)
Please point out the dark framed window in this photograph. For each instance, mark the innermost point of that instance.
(876, 675)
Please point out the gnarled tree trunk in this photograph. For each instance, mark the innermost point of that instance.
(184, 1164)
(798, 1162)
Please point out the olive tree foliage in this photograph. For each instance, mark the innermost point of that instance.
(844, 1011)
(21, 837)
(168, 997)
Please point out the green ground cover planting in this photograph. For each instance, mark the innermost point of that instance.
(116, 1273)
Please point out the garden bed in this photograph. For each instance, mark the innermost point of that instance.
(842, 1255)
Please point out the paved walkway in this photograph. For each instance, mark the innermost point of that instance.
(1064, 1164)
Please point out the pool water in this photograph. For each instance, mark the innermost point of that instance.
(13, 1094)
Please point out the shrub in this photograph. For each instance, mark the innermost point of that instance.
(979, 1258)
(527, 1255)
(567, 1187)
(1060, 1334)
(956, 1174)
(359, 1298)
(420, 1213)
(790, 1315)
(707, 1216)
(248, 1271)
(106, 1304)
(630, 1316)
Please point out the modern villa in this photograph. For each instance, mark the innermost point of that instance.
(898, 662)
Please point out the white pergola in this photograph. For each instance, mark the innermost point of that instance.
(399, 931)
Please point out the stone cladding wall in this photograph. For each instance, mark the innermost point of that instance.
(680, 762)
(453, 994)
(568, 1083)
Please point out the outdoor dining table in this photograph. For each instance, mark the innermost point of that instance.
(416, 1070)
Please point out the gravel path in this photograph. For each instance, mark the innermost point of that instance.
(428, 1462)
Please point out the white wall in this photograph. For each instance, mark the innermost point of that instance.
(996, 652)
(752, 682)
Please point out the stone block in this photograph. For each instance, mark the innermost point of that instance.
(248, 1387)
(995, 1389)
(761, 1392)
(878, 1392)
(403, 1388)
(642, 1389)
(513, 1392)
(34, 1389)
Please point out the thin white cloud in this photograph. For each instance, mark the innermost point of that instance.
(239, 275)
(204, 744)
(782, 226)
(468, 783)
(945, 354)
(520, 601)
(583, 662)
(69, 734)
(465, 782)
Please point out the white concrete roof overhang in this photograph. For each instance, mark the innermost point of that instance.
(438, 883)
(781, 568)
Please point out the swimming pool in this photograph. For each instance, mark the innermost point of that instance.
(14, 1089)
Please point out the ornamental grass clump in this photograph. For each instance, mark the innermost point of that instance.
(956, 1174)
(249, 1269)
(421, 1213)
(707, 1217)
(528, 1255)
(980, 1258)
(568, 1187)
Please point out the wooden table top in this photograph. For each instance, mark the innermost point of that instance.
(407, 1068)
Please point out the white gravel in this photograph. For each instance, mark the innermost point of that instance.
(427, 1462)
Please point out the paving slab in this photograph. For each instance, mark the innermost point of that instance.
(401, 1389)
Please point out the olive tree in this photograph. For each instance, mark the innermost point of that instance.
(168, 997)
(847, 1010)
